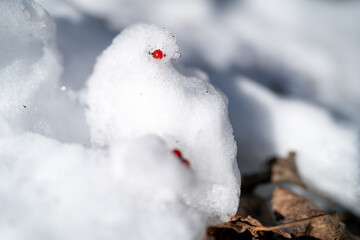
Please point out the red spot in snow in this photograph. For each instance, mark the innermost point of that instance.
(178, 153)
(157, 54)
(186, 162)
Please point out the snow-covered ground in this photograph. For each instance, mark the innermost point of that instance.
(86, 136)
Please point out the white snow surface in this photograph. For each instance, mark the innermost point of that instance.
(28, 61)
(131, 94)
(55, 186)
(51, 190)
(312, 45)
(327, 151)
(29, 71)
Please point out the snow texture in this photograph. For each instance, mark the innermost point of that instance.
(131, 94)
(51, 190)
(28, 61)
(54, 186)
(308, 49)
(328, 151)
(302, 59)
(31, 99)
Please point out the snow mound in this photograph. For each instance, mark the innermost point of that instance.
(133, 187)
(31, 99)
(293, 47)
(65, 191)
(131, 94)
(28, 63)
(327, 151)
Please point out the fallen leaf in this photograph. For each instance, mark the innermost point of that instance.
(237, 228)
(285, 170)
(304, 218)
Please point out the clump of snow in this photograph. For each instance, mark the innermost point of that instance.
(304, 48)
(28, 61)
(54, 190)
(80, 39)
(327, 151)
(131, 94)
(65, 191)
(134, 187)
(29, 73)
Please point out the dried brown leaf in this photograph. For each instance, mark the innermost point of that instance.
(245, 228)
(305, 218)
(285, 170)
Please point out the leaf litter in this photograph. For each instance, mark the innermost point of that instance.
(287, 216)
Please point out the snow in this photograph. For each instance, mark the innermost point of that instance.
(70, 169)
(56, 184)
(30, 69)
(28, 62)
(310, 48)
(51, 190)
(327, 151)
(131, 94)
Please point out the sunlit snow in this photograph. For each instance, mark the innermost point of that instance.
(89, 118)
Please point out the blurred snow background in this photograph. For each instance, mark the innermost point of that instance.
(290, 70)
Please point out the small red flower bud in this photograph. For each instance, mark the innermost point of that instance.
(157, 54)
